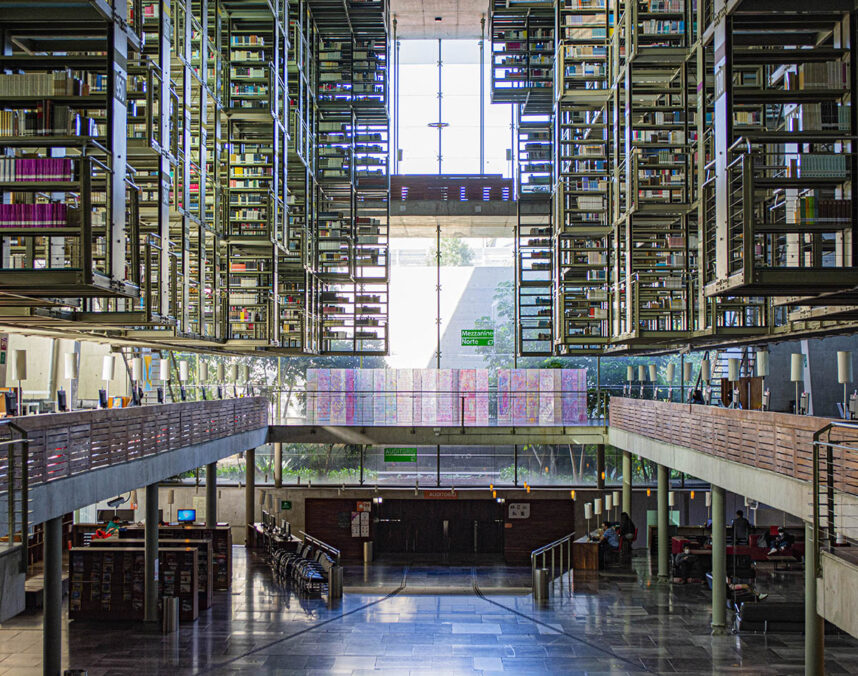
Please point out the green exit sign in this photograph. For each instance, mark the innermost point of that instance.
(400, 455)
(285, 504)
(478, 337)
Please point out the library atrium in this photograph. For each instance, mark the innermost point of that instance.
(428, 337)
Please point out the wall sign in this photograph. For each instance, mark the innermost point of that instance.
(285, 505)
(441, 495)
(519, 510)
(478, 337)
(400, 455)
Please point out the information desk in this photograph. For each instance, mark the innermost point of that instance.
(221, 538)
(585, 554)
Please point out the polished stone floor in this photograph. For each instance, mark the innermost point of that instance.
(433, 620)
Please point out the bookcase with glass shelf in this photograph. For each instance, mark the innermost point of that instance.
(535, 154)
(252, 295)
(790, 150)
(581, 63)
(522, 53)
(534, 275)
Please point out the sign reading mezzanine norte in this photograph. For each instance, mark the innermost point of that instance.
(478, 337)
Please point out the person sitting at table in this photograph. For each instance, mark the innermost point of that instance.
(741, 528)
(683, 564)
(697, 397)
(782, 544)
(112, 528)
(608, 541)
(627, 527)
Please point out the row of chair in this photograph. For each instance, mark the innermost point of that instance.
(308, 569)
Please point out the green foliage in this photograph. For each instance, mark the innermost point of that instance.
(454, 252)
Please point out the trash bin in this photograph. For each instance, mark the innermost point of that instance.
(170, 616)
(367, 552)
(540, 584)
(335, 583)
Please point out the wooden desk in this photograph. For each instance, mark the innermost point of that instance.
(585, 554)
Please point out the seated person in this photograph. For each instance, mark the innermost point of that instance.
(697, 397)
(112, 528)
(782, 544)
(741, 528)
(742, 593)
(609, 540)
(627, 527)
(683, 564)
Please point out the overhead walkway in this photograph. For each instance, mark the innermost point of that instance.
(804, 465)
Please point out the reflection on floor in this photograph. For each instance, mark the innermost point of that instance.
(617, 623)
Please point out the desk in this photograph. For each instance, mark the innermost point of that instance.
(585, 554)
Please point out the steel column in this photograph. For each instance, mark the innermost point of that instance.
(719, 562)
(52, 635)
(663, 527)
(211, 494)
(814, 646)
(627, 483)
(150, 584)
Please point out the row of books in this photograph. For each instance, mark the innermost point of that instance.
(46, 119)
(36, 169)
(43, 215)
(59, 83)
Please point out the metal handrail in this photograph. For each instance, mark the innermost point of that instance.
(324, 545)
(558, 545)
(817, 442)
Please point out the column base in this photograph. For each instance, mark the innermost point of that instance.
(719, 630)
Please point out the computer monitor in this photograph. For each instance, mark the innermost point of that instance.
(186, 515)
(11, 403)
(62, 402)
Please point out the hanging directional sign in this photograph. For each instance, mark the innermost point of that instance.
(478, 337)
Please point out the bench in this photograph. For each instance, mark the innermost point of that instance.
(778, 617)
(308, 569)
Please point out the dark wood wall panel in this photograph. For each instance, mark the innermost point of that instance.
(329, 520)
(549, 520)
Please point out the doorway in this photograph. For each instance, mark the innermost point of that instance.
(440, 531)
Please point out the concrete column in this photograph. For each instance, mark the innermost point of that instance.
(600, 467)
(663, 521)
(814, 646)
(150, 585)
(211, 494)
(250, 490)
(627, 483)
(52, 636)
(719, 562)
(278, 464)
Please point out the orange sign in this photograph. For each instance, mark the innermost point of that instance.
(441, 495)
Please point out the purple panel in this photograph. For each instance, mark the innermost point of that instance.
(504, 408)
(323, 398)
(445, 395)
(350, 396)
(379, 402)
(429, 385)
(338, 397)
(390, 397)
(518, 392)
(532, 397)
(417, 395)
(467, 395)
(482, 397)
(404, 398)
(546, 397)
(363, 393)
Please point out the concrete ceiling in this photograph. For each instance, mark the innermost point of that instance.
(460, 19)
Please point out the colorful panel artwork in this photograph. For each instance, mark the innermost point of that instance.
(482, 398)
(504, 407)
(379, 403)
(429, 386)
(518, 392)
(338, 397)
(531, 397)
(404, 398)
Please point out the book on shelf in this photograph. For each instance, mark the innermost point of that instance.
(36, 169)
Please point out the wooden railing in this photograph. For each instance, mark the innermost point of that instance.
(63, 444)
(778, 442)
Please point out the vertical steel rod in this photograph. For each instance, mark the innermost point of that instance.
(52, 636)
